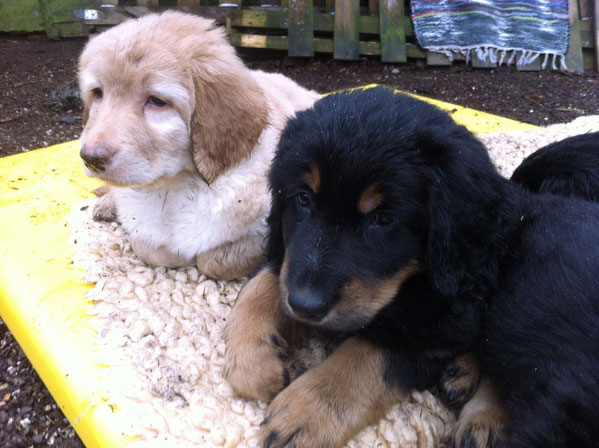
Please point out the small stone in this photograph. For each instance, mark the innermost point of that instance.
(70, 119)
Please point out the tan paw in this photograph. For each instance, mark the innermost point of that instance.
(257, 367)
(300, 417)
(330, 403)
(459, 381)
(256, 355)
(481, 421)
(105, 209)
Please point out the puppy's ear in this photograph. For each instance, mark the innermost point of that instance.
(469, 213)
(229, 116)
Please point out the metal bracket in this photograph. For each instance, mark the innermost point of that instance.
(86, 14)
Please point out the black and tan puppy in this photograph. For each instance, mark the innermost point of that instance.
(569, 168)
(390, 226)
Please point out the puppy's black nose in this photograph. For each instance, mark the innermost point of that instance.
(95, 157)
(308, 304)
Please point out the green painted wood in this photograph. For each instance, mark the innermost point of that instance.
(347, 31)
(574, 59)
(393, 36)
(321, 45)
(301, 28)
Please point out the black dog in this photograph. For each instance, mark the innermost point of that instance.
(569, 167)
(391, 226)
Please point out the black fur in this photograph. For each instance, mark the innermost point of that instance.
(510, 275)
(569, 167)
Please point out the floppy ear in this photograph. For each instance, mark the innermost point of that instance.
(229, 116)
(471, 213)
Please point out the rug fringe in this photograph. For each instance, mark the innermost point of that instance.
(497, 55)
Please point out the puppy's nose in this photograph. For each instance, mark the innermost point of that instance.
(96, 157)
(308, 304)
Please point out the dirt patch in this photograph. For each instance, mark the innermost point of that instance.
(39, 106)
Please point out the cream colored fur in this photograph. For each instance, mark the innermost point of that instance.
(188, 176)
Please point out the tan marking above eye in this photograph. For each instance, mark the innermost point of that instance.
(370, 199)
(312, 178)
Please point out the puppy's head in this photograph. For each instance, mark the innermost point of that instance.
(357, 203)
(166, 94)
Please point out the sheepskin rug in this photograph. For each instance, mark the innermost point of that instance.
(159, 334)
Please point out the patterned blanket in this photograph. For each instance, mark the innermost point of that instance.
(491, 28)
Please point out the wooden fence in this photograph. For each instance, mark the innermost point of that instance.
(347, 29)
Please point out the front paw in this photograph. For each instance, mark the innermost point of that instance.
(459, 380)
(105, 209)
(299, 417)
(481, 421)
(256, 367)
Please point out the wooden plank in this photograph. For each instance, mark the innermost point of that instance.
(433, 58)
(147, 3)
(329, 6)
(393, 36)
(479, 63)
(586, 39)
(585, 7)
(373, 7)
(301, 28)
(347, 32)
(595, 29)
(245, 17)
(534, 66)
(574, 60)
(321, 45)
(116, 15)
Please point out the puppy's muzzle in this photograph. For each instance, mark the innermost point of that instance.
(308, 304)
(96, 157)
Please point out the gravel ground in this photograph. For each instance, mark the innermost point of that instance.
(39, 106)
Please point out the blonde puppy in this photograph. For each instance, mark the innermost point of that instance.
(184, 133)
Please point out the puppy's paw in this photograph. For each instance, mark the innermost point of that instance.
(257, 367)
(480, 431)
(481, 421)
(299, 417)
(459, 380)
(105, 209)
(330, 403)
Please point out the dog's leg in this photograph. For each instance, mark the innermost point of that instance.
(255, 359)
(330, 403)
(105, 209)
(232, 260)
(459, 381)
(481, 421)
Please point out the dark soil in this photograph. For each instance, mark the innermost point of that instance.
(39, 106)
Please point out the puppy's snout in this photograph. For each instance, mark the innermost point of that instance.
(308, 304)
(96, 157)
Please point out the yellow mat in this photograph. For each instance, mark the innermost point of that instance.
(41, 296)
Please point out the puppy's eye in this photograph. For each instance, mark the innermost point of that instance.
(97, 93)
(381, 219)
(155, 101)
(303, 199)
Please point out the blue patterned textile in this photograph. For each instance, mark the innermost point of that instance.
(491, 28)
